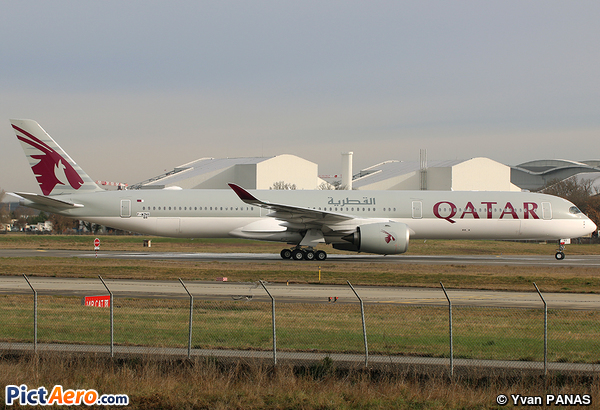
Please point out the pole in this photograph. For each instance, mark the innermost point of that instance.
(34, 314)
(450, 327)
(362, 313)
(545, 331)
(191, 314)
(112, 335)
(273, 323)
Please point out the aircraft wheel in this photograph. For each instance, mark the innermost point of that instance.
(286, 253)
(309, 255)
(320, 255)
(559, 255)
(297, 255)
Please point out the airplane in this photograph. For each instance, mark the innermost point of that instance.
(379, 222)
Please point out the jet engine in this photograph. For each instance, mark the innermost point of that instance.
(387, 238)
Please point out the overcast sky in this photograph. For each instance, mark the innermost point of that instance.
(131, 88)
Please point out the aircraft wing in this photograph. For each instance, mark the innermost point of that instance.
(299, 217)
(47, 201)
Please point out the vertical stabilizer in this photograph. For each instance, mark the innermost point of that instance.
(54, 170)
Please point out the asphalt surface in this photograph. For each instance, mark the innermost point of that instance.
(341, 360)
(296, 293)
(505, 260)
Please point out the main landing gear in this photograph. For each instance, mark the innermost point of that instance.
(560, 255)
(299, 254)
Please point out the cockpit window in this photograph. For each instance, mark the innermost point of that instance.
(574, 210)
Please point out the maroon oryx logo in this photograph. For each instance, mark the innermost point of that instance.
(388, 237)
(52, 169)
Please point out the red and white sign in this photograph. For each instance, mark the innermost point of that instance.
(97, 301)
(96, 244)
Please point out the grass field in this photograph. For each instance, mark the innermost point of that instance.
(494, 277)
(479, 333)
(208, 384)
(159, 244)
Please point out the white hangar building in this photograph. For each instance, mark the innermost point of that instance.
(251, 173)
(476, 174)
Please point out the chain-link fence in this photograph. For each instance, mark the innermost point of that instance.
(273, 329)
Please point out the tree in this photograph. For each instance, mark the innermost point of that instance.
(39, 218)
(283, 185)
(21, 214)
(581, 192)
(4, 215)
(335, 185)
(91, 227)
(326, 186)
(62, 224)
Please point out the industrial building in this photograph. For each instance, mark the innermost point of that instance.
(534, 175)
(251, 173)
(475, 174)
(481, 174)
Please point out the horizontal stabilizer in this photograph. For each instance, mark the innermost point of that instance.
(49, 201)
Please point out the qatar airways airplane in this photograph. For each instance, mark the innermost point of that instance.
(380, 222)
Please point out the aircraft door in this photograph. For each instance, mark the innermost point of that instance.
(125, 208)
(546, 210)
(417, 210)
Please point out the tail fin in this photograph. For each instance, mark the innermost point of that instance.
(54, 170)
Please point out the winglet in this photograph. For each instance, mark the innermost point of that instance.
(243, 194)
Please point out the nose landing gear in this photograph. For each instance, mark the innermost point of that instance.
(560, 254)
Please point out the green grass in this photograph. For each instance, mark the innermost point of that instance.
(160, 244)
(479, 333)
(550, 279)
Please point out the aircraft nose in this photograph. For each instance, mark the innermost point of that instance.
(592, 225)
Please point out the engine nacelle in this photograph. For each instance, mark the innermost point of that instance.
(387, 238)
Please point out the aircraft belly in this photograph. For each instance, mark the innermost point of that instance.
(516, 229)
(187, 227)
(214, 227)
(464, 229)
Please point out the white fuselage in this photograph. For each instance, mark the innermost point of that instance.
(428, 214)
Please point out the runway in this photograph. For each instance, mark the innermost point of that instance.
(504, 260)
(249, 292)
(306, 293)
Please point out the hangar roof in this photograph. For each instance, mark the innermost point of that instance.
(197, 167)
(390, 169)
(534, 175)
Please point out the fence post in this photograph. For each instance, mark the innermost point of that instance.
(545, 330)
(362, 313)
(450, 327)
(273, 323)
(112, 336)
(191, 314)
(34, 314)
